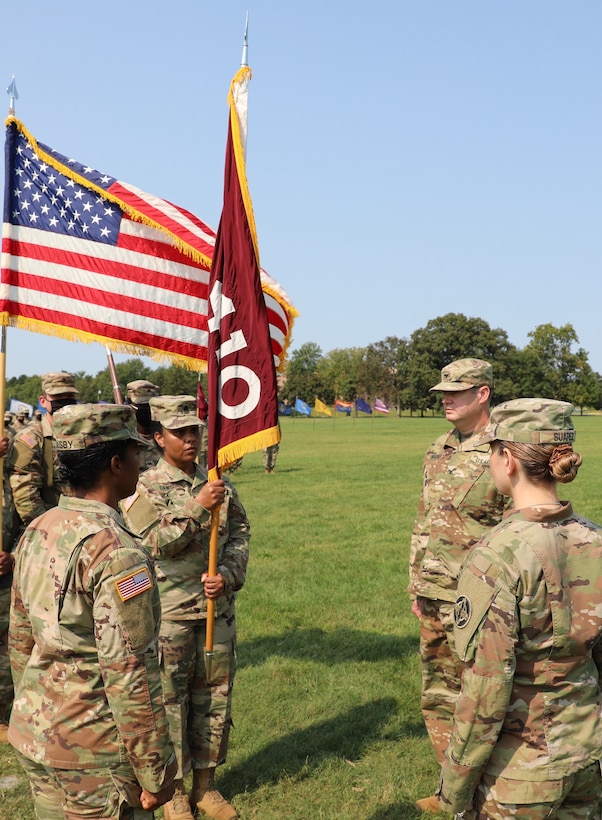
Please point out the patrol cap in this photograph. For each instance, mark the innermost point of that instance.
(141, 390)
(79, 426)
(174, 412)
(464, 374)
(531, 421)
(55, 384)
(8, 417)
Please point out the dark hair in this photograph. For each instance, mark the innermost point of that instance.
(83, 468)
(546, 463)
(143, 416)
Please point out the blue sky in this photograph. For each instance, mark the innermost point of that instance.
(405, 159)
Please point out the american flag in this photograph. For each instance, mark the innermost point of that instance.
(133, 584)
(88, 257)
(381, 406)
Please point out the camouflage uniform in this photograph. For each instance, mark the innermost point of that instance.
(527, 733)
(269, 457)
(204, 445)
(88, 719)
(529, 712)
(175, 529)
(11, 529)
(459, 503)
(139, 393)
(32, 459)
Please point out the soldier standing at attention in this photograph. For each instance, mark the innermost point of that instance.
(459, 503)
(88, 721)
(526, 739)
(171, 514)
(32, 460)
(138, 394)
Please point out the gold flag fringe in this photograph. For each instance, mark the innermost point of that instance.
(184, 247)
(73, 335)
(242, 75)
(249, 444)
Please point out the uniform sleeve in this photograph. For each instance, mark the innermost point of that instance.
(26, 476)
(417, 546)
(20, 636)
(166, 522)
(126, 614)
(235, 553)
(486, 632)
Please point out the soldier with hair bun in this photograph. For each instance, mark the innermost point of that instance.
(527, 732)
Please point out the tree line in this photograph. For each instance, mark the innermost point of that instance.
(398, 371)
(401, 371)
(172, 381)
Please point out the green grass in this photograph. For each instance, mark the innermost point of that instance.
(327, 721)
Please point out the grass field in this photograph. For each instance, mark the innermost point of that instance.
(326, 702)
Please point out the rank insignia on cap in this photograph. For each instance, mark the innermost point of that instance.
(133, 584)
(462, 611)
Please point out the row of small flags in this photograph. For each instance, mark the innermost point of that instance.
(321, 409)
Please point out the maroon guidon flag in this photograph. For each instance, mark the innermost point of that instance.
(242, 390)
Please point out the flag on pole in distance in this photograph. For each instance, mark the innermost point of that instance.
(243, 394)
(381, 406)
(302, 408)
(321, 409)
(284, 409)
(343, 406)
(362, 406)
(88, 257)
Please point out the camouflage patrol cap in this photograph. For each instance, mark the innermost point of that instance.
(141, 391)
(174, 412)
(8, 417)
(464, 374)
(79, 426)
(531, 421)
(55, 384)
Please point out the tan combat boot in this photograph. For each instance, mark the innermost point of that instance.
(178, 807)
(206, 798)
(429, 805)
(3, 732)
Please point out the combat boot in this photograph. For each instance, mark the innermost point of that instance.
(178, 807)
(3, 732)
(429, 805)
(206, 798)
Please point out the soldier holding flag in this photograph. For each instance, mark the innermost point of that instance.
(171, 512)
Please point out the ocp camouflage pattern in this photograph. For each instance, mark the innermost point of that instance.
(528, 625)
(84, 661)
(459, 503)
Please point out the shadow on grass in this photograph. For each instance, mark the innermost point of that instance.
(301, 751)
(397, 811)
(340, 646)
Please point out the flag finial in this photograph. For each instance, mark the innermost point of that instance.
(244, 60)
(14, 95)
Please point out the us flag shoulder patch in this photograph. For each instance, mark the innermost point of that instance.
(134, 584)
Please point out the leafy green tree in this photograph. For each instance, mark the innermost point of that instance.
(550, 367)
(381, 368)
(302, 374)
(451, 337)
(337, 374)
